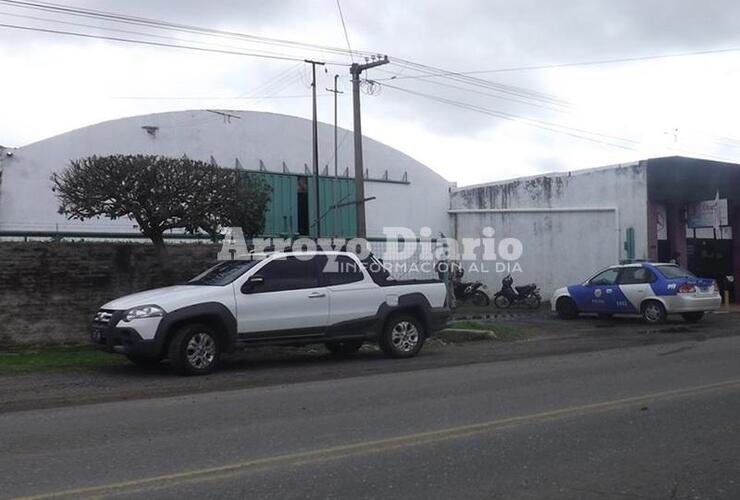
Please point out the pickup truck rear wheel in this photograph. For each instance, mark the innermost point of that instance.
(344, 348)
(403, 336)
(194, 350)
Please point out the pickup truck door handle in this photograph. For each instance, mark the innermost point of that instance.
(316, 295)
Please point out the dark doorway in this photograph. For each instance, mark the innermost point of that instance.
(711, 259)
(302, 206)
(664, 251)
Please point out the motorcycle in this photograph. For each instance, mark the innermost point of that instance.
(474, 291)
(528, 295)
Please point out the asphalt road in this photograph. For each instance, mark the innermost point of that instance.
(654, 421)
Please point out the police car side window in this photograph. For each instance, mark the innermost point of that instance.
(608, 277)
(636, 276)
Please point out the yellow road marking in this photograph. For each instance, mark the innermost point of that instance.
(373, 446)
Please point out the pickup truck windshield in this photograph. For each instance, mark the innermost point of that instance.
(223, 273)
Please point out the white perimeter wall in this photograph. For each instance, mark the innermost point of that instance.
(566, 241)
(27, 202)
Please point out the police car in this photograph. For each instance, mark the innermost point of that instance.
(652, 290)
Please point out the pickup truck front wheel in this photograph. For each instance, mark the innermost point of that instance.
(194, 350)
(402, 337)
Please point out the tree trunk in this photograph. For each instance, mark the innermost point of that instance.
(158, 240)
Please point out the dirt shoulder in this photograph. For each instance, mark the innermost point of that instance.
(516, 336)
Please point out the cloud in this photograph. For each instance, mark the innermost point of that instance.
(54, 83)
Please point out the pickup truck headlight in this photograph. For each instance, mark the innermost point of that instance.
(143, 312)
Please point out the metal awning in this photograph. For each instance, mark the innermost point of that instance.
(683, 180)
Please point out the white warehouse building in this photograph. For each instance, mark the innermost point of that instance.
(405, 192)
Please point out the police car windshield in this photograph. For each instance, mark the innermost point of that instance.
(223, 273)
(673, 272)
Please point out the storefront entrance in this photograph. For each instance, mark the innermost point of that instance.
(693, 216)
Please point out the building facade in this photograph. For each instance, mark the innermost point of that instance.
(569, 224)
(573, 223)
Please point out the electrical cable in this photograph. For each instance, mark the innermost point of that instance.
(573, 64)
(158, 24)
(344, 27)
(148, 42)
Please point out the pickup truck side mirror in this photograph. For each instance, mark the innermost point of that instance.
(252, 283)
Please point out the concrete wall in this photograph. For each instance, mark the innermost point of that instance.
(27, 202)
(564, 240)
(49, 291)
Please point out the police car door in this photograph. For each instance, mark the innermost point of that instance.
(634, 285)
(598, 294)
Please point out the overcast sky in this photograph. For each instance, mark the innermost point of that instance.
(563, 118)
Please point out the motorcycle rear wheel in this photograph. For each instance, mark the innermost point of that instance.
(533, 302)
(480, 299)
(502, 302)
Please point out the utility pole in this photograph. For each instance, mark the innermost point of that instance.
(336, 93)
(315, 147)
(356, 70)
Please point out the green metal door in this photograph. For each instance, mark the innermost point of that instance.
(281, 218)
(335, 220)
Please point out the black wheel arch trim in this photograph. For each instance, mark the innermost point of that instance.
(433, 319)
(206, 311)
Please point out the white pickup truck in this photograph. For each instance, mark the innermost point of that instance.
(279, 298)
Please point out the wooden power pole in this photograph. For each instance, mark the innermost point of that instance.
(336, 93)
(315, 147)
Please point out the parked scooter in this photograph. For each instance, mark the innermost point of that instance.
(474, 291)
(528, 295)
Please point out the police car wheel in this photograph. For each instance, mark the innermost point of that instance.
(653, 312)
(692, 317)
(566, 308)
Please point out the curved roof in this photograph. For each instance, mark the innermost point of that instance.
(415, 197)
(249, 136)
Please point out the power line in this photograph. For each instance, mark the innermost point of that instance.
(148, 42)
(572, 64)
(213, 98)
(554, 127)
(508, 116)
(108, 16)
(479, 82)
(496, 96)
(346, 35)
(158, 24)
(129, 32)
(274, 81)
(292, 79)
